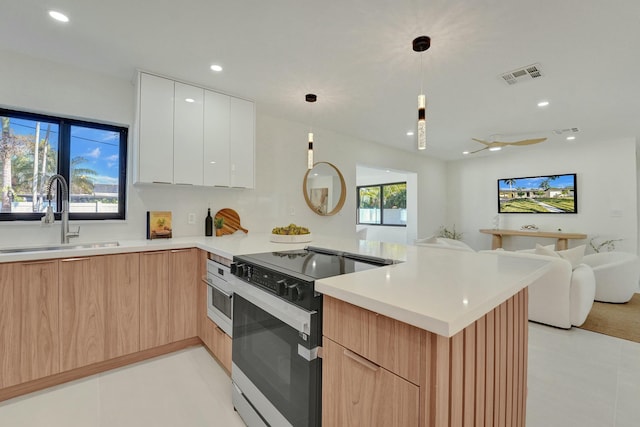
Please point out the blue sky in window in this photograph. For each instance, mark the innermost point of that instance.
(28, 128)
(101, 150)
(563, 181)
(99, 147)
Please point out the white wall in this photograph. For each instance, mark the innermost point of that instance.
(281, 152)
(606, 184)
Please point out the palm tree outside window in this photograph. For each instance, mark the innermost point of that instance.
(91, 157)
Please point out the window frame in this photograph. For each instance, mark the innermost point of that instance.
(64, 166)
(381, 188)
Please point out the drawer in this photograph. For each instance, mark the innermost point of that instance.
(357, 392)
(392, 344)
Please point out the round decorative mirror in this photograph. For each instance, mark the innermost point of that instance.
(324, 189)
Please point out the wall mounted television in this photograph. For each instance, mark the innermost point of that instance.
(554, 194)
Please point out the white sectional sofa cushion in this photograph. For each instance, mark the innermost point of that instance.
(563, 296)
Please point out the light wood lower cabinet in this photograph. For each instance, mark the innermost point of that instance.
(154, 299)
(183, 294)
(371, 364)
(60, 315)
(168, 296)
(217, 341)
(98, 308)
(122, 282)
(29, 343)
(358, 392)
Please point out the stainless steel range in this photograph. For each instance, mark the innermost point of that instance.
(277, 328)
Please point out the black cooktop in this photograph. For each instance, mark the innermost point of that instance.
(315, 263)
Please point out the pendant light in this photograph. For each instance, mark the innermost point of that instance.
(420, 44)
(310, 97)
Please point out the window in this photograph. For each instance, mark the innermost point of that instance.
(383, 204)
(90, 156)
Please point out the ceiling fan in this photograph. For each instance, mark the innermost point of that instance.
(500, 144)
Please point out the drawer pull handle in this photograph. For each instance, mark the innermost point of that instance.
(75, 259)
(38, 262)
(361, 360)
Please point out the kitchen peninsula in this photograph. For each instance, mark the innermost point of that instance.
(445, 330)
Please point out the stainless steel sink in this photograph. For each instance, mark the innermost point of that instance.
(58, 247)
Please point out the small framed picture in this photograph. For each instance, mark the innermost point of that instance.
(158, 224)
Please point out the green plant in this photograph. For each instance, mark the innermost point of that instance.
(443, 231)
(218, 222)
(609, 245)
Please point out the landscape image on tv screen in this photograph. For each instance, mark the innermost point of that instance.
(538, 194)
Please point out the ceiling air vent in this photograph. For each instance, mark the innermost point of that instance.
(529, 72)
(566, 130)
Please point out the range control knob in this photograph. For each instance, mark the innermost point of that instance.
(296, 292)
(281, 287)
(241, 270)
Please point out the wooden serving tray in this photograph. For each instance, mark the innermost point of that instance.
(231, 222)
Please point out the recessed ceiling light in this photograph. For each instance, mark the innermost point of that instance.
(387, 171)
(212, 162)
(495, 148)
(216, 67)
(543, 103)
(58, 16)
(190, 100)
(410, 133)
(571, 138)
(465, 152)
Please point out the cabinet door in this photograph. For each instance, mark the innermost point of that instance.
(29, 342)
(155, 134)
(357, 392)
(183, 294)
(216, 139)
(223, 348)
(154, 299)
(122, 279)
(82, 311)
(188, 134)
(242, 142)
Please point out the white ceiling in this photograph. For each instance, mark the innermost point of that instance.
(356, 56)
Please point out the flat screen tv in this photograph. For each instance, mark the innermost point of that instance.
(554, 194)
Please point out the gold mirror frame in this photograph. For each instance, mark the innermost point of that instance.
(343, 191)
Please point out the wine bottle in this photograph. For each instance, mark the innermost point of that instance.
(208, 224)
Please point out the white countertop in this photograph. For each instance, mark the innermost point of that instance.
(440, 290)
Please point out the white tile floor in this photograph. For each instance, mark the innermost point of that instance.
(576, 379)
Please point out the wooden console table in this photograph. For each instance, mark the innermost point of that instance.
(561, 244)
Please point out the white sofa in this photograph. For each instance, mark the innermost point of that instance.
(562, 297)
(617, 275)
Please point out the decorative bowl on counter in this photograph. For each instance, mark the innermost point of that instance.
(290, 234)
(290, 238)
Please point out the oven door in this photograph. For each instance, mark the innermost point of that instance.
(220, 304)
(275, 364)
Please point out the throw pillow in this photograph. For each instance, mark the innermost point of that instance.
(533, 251)
(573, 255)
(432, 239)
(545, 250)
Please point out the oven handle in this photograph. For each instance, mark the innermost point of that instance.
(292, 315)
(219, 289)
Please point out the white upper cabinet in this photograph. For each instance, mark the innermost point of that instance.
(216, 139)
(155, 129)
(188, 134)
(242, 142)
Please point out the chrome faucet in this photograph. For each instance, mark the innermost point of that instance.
(65, 234)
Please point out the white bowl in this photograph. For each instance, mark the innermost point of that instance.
(290, 238)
